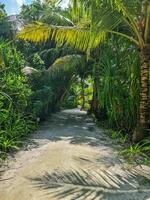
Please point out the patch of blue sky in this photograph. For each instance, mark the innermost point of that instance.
(13, 6)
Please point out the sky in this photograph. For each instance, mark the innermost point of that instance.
(13, 6)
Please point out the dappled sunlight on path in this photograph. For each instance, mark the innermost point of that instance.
(70, 158)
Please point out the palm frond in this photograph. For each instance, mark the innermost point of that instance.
(107, 18)
(110, 14)
(55, 17)
(82, 39)
(129, 18)
(127, 6)
(67, 64)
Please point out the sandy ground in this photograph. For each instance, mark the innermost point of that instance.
(70, 158)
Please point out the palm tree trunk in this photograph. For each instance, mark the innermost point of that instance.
(142, 123)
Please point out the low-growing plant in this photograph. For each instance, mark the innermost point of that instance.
(119, 135)
(139, 150)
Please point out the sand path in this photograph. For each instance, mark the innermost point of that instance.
(70, 158)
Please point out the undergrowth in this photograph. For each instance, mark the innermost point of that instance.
(139, 152)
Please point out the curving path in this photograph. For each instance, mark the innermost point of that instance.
(70, 158)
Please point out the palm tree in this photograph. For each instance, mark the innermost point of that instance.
(124, 18)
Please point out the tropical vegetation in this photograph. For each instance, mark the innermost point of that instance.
(94, 54)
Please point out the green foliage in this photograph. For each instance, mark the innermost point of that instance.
(139, 152)
(79, 95)
(2, 11)
(117, 84)
(37, 62)
(119, 136)
(50, 87)
(102, 20)
(84, 91)
(15, 123)
(70, 100)
(37, 55)
(118, 75)
(17, 88)
(42, 94)
(31, 12)
(5, 29)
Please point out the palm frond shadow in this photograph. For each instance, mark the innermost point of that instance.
(2, 171)
(1, 174)
(84, 184)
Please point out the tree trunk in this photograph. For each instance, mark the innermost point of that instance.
(94, 103)
(139, 132)
(83, 94)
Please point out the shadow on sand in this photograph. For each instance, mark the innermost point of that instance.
(91, 185)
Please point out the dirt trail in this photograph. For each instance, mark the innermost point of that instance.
(70, 158)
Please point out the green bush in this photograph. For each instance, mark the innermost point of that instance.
(15, 91)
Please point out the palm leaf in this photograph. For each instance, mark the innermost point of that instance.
(128, 17)
(113, 11)
(82, 39)
(86, 38)
(55, 17)
(67, 63)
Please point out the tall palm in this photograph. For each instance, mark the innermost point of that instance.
(125, 18)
